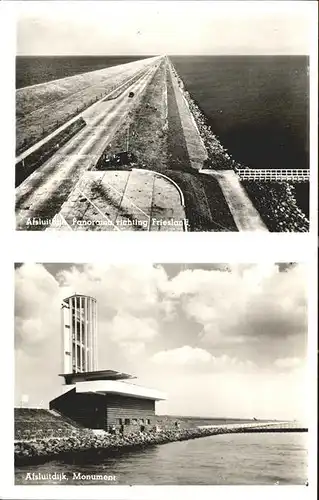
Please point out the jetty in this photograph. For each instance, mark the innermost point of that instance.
(49, 436)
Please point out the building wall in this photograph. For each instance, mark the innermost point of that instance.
(129, 414)
(117, 413)
(88, 410)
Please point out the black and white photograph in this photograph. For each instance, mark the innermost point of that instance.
(163, 116)
(161, 374)
(173, 366)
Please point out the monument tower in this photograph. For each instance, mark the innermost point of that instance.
(79, 334)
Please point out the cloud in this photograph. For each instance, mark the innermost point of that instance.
(288, 363)
(130, 288)
(36, 305)
(129, 305)
(227, 337)
(129, 328)
(235, 393)
(198, 359)
(128, 312)
(185, 355)
(244, 307)
(133, 348)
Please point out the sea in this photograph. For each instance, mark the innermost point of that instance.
(229, 459)
(31, 70)
(258, 106)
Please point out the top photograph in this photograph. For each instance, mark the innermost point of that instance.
(163, 116)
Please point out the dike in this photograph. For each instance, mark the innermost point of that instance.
(86, 442)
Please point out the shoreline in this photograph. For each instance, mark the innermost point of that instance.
(276, 202)
(38, 451)
(175, 137)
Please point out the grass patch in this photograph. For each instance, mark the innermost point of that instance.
(118, 92)
(147, 127)
(41, 109)
(178, 158)
(25, 167)
(158, 143)
(221, 215)
(218, 157)
(205, 205)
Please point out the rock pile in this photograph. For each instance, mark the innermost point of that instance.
(218, 156)
(275, 201)
(277, 206)
(50, 448)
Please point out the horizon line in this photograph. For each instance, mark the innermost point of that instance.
(166, 55)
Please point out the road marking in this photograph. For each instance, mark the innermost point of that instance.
(97, 208)
(112, 187)
(181, 194)
(38, 144)
(65, 221)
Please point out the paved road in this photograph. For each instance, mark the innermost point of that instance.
(137, 200)
(42, 194)
(66, 124)
(243, 211)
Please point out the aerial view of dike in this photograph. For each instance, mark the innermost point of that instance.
(162, 143)
(98, 425)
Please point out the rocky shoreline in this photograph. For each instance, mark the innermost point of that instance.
(43, 450)
(218, 156)
(275, 202)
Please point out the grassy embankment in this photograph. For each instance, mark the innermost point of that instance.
(283, 207)
(218, 157)
(206, 208)
(157, 141)
(43, 108)
(147, 126)
(25, 167)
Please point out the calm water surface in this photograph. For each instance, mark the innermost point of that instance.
(257, 105)
(31, 70)
(238, 459)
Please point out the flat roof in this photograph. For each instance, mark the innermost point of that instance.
(120, 388)
(78, 295)
(72, 378)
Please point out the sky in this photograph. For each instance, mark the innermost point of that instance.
(165, 27)
(222, 340)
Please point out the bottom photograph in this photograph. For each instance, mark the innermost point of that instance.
(162, 374)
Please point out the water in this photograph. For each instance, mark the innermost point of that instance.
(237, 459)
(31, 70)
(256, 105)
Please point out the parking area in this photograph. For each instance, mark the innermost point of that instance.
(124, 200)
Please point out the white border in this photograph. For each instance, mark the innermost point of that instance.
(162, 247)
